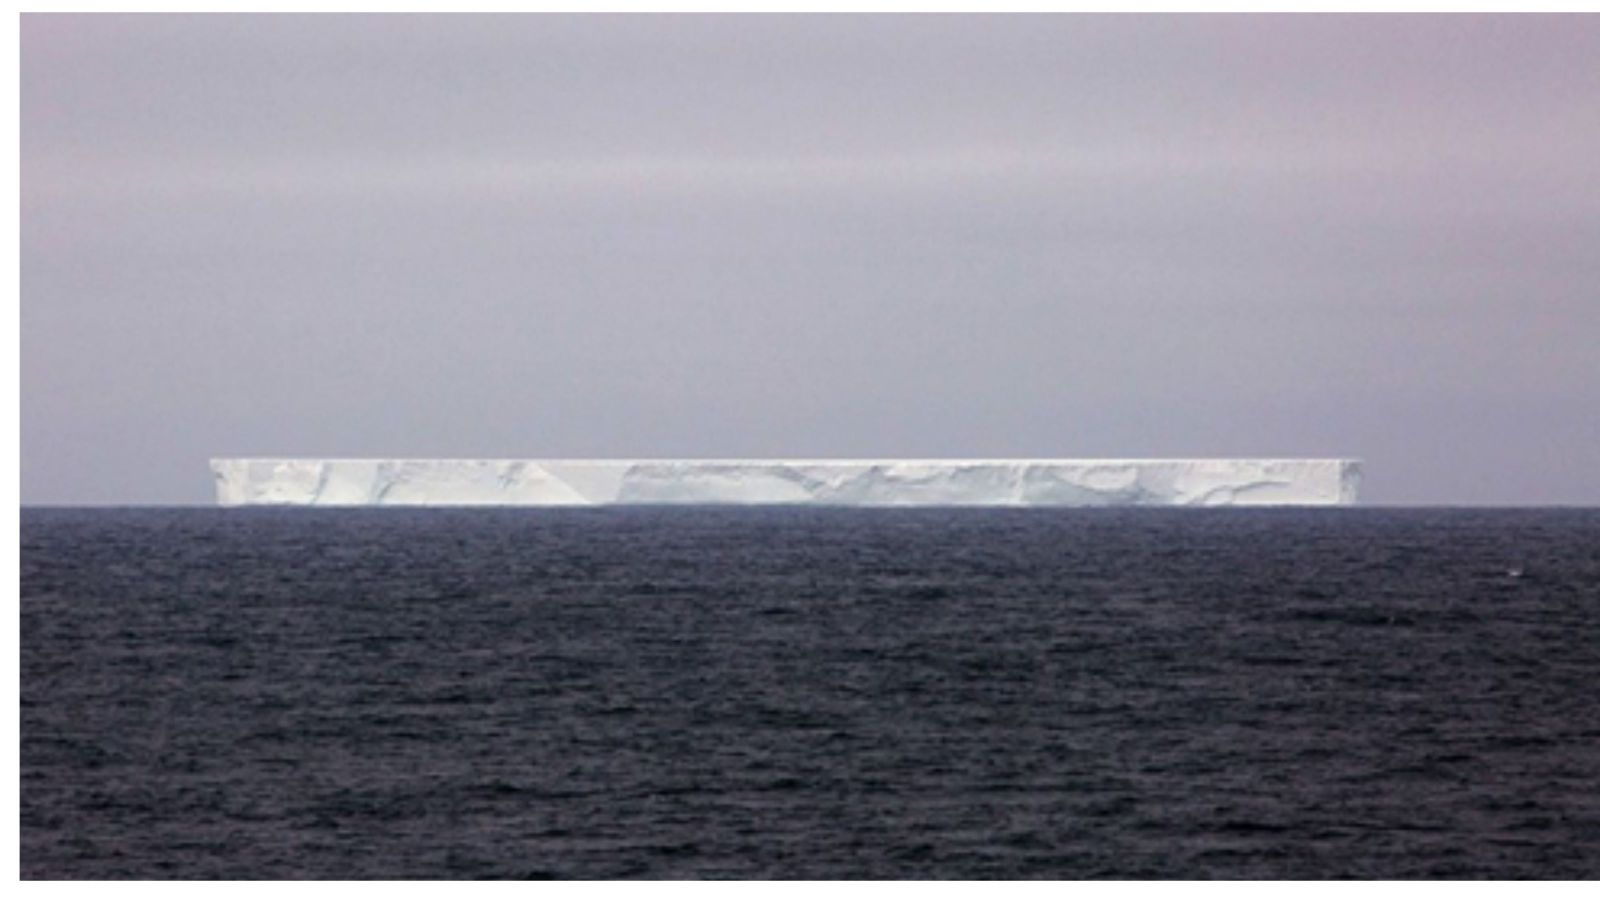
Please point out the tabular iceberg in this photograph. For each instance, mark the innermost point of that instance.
(841, 482)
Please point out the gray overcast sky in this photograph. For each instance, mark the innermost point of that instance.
(774, 236)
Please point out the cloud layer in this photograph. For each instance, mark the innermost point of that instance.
(836, 236)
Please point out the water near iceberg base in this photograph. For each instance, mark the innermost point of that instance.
(866, 482)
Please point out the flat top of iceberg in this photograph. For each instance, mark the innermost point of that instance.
(808, 461)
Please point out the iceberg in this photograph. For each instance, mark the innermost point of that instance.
(822, 482)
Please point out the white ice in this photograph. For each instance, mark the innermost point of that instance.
(836, 482)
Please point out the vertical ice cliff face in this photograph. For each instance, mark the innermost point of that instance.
(886, 482)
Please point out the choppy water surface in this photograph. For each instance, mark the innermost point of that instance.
(810, 693)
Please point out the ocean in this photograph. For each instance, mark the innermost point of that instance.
(810, 693)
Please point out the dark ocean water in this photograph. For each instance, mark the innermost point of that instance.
(667, 693)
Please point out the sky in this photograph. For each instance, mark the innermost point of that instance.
(930, 236)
